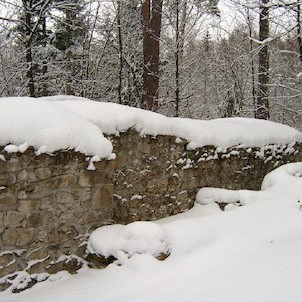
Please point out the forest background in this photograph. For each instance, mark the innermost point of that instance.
(189, 58)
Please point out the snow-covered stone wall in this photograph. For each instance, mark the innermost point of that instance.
(155, 177)
(49, 204)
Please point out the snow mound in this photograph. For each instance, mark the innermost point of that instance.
(283, 176)
(240, 197)
(123, 241)
(226, 132)
(47, 127)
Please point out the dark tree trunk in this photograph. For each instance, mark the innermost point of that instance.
(44, 68)
(299, 38)
(151, 19)
(262, 102)
(28, 44)
(177, 54)
(120, 41)
(252, 60)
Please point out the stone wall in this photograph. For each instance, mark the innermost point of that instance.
(158, 177)
(49, 204)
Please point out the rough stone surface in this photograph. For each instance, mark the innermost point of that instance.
(157, 177)
(47, 211)
(49, 204)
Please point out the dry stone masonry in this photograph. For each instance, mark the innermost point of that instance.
(49, 204)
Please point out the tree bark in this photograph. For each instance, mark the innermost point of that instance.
(299, 38)
(262, 102)
(151, 19)
(28, 45)
(44, 68)
(177, 54)
(120, 42)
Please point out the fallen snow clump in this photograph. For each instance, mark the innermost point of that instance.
(123, 241)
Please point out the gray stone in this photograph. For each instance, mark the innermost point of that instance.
(22, 194)
(7, 179)
(22, 175)
(13, 218)
(13, 165)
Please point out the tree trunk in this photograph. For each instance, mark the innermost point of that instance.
(28, 44)
(151, 19)
(299, 38)
(120, 42)
(262, 102)
(44, 68)
(252, 58)
(177, 54)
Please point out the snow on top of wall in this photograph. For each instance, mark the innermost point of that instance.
(225, 132)
(66, 122)
(47, 127)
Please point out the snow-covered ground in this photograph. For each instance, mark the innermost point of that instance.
(251, 253)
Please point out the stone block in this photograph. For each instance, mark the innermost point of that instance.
(59, 182)
(22, 194)
(121, 160)
(62, 234)
(13, 218)
(7, 179)
(19, 237)
(174, 183)
(65, 198)
(37, 253)
(22, 175)
(95, 178)
(144, 147)
(13, 165)
(7, 201)
(103, 198)
(28, 205)
(91, 217)
(43, 173)
(35, 219)
(182, 196)
(158, 186)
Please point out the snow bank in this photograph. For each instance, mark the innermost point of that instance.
(123, 241)
(251, 254)
(284, 178)
(241, 197)
(113, 118)
(47, 127)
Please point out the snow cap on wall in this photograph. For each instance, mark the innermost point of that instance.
(47, 127)
(65, 122)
